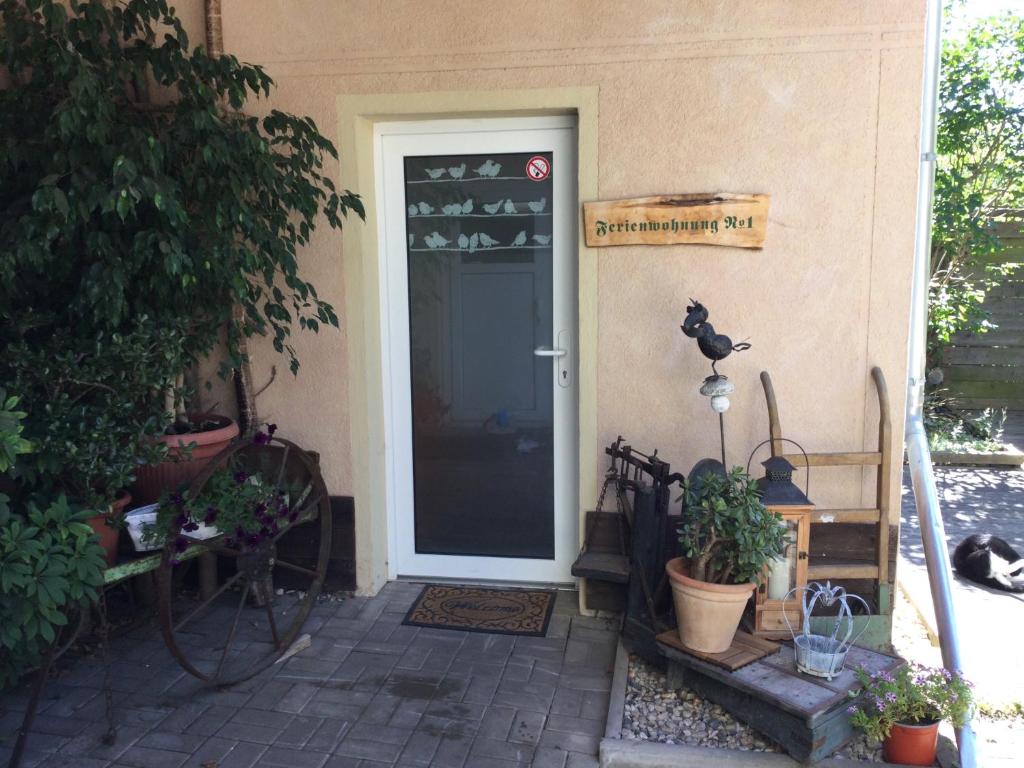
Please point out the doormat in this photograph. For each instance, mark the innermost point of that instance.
(524, 612)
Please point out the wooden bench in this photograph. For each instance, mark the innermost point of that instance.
(805, 715)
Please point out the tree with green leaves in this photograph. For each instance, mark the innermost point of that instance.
(980, 171)
(139, 205)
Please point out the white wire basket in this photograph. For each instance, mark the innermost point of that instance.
(824, 655)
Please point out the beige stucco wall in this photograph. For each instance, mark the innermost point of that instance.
(815, 103)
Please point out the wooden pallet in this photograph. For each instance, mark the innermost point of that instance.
(805, 715)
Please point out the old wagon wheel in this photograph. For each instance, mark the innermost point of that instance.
(243, 627)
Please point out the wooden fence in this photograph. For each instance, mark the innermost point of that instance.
(987, 369)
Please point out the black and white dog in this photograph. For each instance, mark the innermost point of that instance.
(990, 561)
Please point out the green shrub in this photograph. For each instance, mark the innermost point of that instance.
(50, 562)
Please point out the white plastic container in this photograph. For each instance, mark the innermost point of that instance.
(141, 523)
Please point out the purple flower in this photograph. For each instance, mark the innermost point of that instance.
(180, 520)
(240, 477)
(283, 510)
(180, 544)
(851, 710)
(293, 516)
(880, 706)
(261, 438)
(890, 697)
(240, 533)
(252, 540)
(191, 526)
(176, 499)
(210, 516)
(271, 429)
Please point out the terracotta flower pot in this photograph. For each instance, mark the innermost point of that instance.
(153, 479)
(911, 744)
(109, 533)
(708, 614)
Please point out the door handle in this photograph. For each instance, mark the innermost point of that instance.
(549, 352)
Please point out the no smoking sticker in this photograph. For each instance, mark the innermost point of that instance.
(538, 168)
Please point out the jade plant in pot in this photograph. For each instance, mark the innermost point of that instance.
(903, 710)
(727, 538)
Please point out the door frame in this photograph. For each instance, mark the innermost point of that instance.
(355, 465)
(392, 141)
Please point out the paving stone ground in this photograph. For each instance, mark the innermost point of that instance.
(369, 693)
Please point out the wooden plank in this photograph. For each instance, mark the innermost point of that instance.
(1007, 373)
(853, 458)
(602, 566)
(745, 649)
(984, 355)
(841, 570)
(851, 515)
(997, 337)
(994, 391)
(737, 220)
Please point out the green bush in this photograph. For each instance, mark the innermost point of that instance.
(725, 531)
(50, 562)
(131, 227)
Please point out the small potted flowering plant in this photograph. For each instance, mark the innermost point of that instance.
(249, 510)
(903, 710)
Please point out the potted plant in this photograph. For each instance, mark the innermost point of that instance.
(191, 441)
(87, 416)
(727, 538)
(903, 710)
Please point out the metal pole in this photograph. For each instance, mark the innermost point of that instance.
(721, 433)
(926, 496)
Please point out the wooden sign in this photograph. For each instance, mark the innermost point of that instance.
(705, 219)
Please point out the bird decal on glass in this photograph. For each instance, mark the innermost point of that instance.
(463, 241)
(457, 172)
(714, 346)
(435, 240)
(412, 210)
(493, 207)
(435, 173)
(542, 239)
(486, 240)
(474, 242)
(452, 209)
(510, 207)
(537, 206)
(489, 168)
(425, 210)
(467, 207)
(520, 239)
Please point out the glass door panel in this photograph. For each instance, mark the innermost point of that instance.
(479, 245)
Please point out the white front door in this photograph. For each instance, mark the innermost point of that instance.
(478, 234)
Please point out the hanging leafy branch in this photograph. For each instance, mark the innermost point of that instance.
(114, 207)
(980, 171)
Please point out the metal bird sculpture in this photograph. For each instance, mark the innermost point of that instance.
(714, 346)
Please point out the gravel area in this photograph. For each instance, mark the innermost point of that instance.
(654, 713)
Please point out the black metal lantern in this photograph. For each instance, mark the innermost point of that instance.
(777, 486)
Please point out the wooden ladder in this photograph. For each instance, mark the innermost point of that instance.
(871, 565)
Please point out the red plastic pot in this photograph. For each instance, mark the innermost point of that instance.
(153, 479)
(103, 525)
(911, 744)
